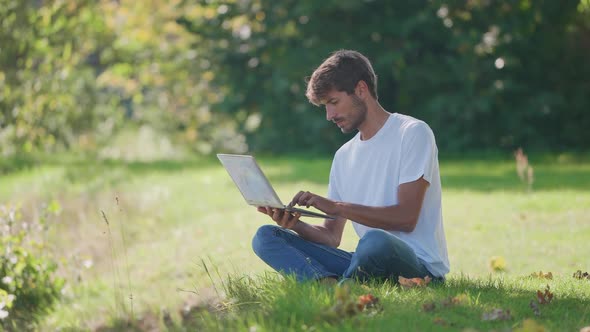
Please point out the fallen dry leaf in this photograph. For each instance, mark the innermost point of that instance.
(344, 304)
(542, 275)
(497, 314)
(581, 275)
(347, 305)
(414, 282)
(545, 297)
(367, 301)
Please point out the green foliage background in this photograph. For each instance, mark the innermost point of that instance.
(229, 75)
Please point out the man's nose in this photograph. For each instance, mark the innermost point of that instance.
(330, 112)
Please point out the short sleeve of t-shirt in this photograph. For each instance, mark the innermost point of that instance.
(419, 153)
(332, 185)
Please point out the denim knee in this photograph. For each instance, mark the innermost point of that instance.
(263, 235)
(374, 242)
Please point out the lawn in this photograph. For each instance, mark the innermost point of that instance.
(167, 243)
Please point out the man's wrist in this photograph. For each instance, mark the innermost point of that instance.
(338, 209)
(298, 226)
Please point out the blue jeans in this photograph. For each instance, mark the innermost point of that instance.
(378, 255)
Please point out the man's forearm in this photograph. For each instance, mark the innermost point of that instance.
(402, 216)
(391, 218)
(316, 233)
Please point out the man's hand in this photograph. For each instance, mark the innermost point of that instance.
(283, 218)
(307, 199)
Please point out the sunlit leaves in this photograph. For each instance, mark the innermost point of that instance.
(74, 70)
(259, 48)
(62, 65)
(584, 6)
(49, 94)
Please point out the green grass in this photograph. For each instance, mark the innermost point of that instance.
(273, 304)
(177, 217)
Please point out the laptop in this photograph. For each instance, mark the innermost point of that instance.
(254, 186)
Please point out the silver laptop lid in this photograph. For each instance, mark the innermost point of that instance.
(250, 180)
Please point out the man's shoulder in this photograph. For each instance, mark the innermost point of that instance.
(408, 121)
(409, 125)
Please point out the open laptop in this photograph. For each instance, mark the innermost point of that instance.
(254, 185)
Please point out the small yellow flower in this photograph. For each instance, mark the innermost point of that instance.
(498, 263)
(529, 325)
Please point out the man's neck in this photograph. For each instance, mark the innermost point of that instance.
(376, 118)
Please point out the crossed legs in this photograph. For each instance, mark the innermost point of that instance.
(379, 255)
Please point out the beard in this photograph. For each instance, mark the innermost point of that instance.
(358, 115)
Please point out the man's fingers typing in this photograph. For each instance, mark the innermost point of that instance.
(296, 198)
(303, 198)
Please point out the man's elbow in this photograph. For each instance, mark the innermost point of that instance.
(410, 224)
(406, 226)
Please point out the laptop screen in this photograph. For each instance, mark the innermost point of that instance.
(250, 180)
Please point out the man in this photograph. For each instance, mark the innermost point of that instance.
(385, 180)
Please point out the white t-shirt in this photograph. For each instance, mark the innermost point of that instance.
(369, 173)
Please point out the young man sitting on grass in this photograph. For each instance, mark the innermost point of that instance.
(385, 180)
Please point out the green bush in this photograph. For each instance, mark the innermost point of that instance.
(28, 285)
(482, 74)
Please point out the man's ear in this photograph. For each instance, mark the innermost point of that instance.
(361, 89)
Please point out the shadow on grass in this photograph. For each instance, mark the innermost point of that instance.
(270, 303)
(483, 296)
(284, 305)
